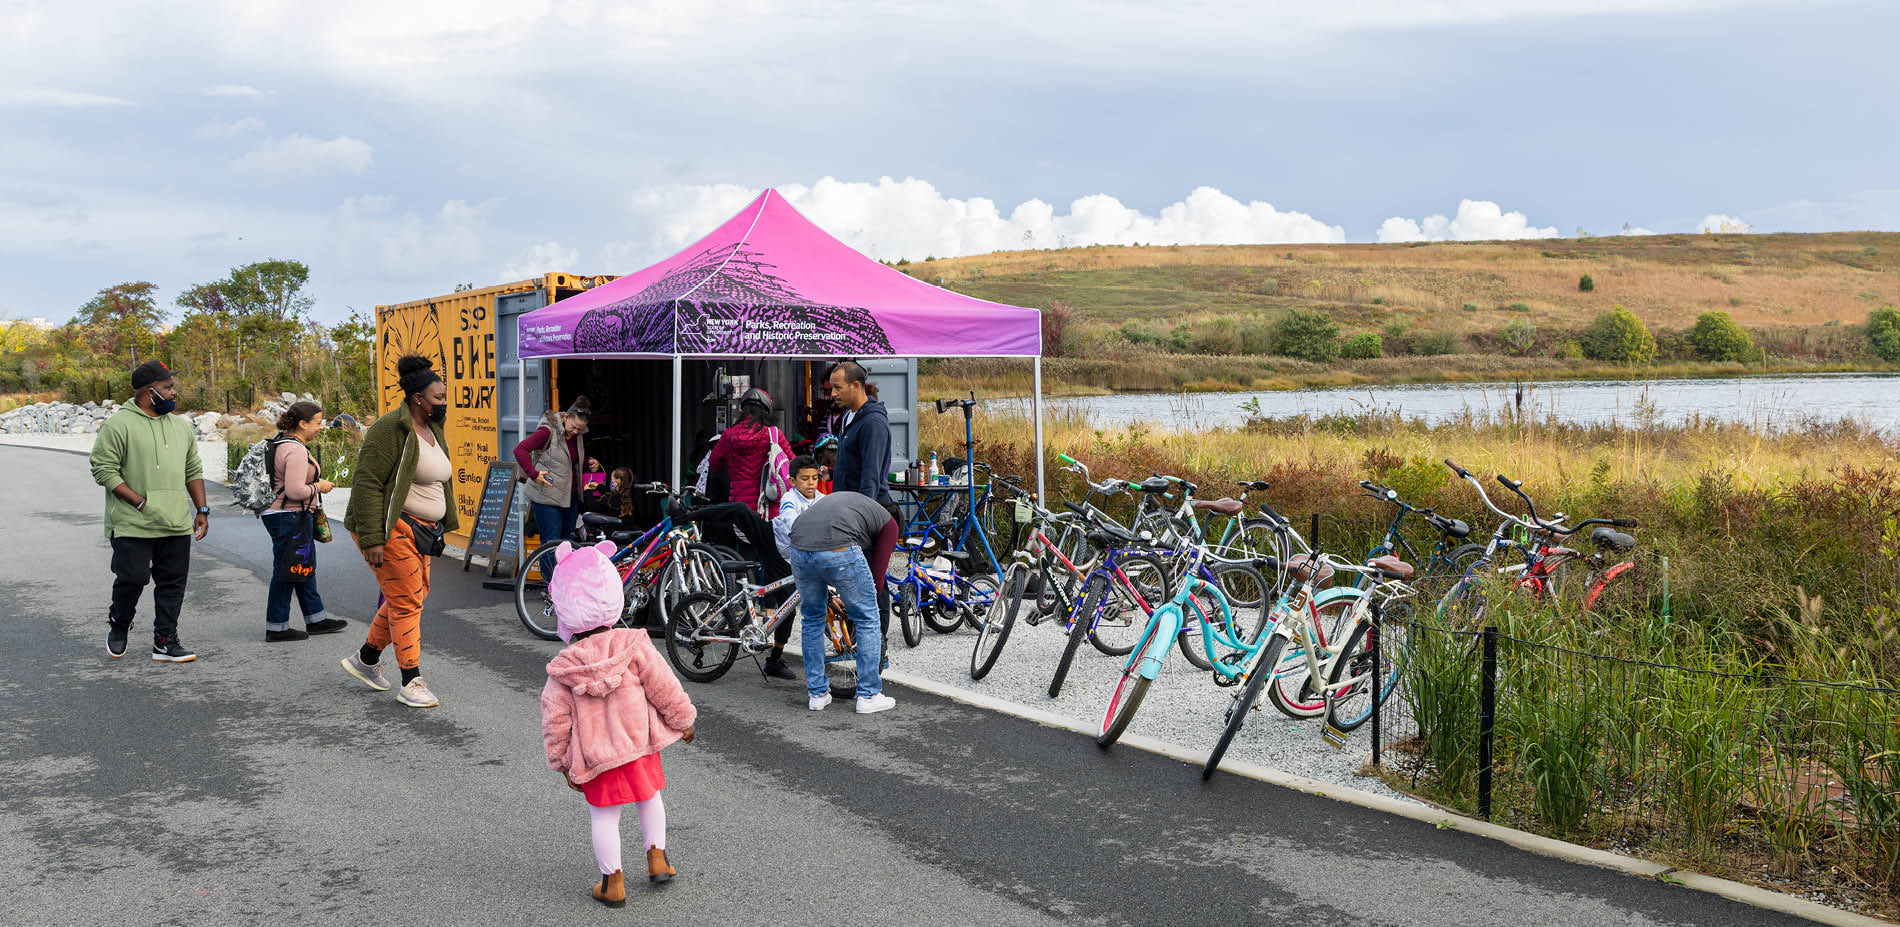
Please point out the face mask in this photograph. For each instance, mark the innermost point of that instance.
(163, 406)
(439, 413)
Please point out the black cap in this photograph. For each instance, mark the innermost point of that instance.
(150, 372)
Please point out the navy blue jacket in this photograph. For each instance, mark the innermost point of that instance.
(864, 454)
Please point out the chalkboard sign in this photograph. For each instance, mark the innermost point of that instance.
(509, 552)
(492, 526)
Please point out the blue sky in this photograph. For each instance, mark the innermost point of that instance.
(401, 149)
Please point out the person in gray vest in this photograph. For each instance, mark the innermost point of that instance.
(552, 469)
(843, 542)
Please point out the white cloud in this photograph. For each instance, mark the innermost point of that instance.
(232, 129)
(298, 157)
(232, 90)
(1477, 220)
(1725, 224)
(1629, 229)
(372, 241)
(909, 218)
(543, 258)
(55, 96)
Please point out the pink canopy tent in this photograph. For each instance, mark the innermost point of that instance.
(769, 283)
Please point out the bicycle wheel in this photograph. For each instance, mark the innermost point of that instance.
(908, 612)
(1249, 599)
(983, 592)
(998, 621)
(1093, 591)
(1130, 689)
(1242, 705)
(1463, 607)
(533, 605)
(699, 660)
(1352, 706)
(1119, 623)
(1294, 691)
(938, 615)
(695, 569)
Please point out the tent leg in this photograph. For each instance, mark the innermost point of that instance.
(678, 378)
(521, 399)
(1041, 490)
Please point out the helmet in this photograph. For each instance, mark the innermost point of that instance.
(757, 397)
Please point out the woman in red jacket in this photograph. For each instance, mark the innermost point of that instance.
(741, 451)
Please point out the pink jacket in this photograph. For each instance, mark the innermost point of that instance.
(741, 452)
(610, 699)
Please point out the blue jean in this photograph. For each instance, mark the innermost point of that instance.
(818, 572)
(277, 604)
(552, 522)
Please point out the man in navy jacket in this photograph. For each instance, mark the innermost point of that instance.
(864, 450)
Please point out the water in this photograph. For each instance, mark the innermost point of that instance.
(1766, 402)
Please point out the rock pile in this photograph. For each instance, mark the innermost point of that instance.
(64, 418)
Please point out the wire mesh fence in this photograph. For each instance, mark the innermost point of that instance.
(1751, 775)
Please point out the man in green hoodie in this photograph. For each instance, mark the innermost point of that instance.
(147, 460)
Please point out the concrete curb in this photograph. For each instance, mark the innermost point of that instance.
(1756, 896)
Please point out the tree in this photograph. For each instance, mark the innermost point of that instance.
(121, 322)
(1521, 335)
(1585, 284)
(1716, 337)
(269, 288)
(1618, 336)
(1883, 333)
(1306, 335)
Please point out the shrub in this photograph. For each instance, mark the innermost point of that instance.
(1469, 307)
(1570, 350)
(1516, 307)
(1306, 335)
(1585, 284)
(1716, 337)
(1433, 344)
(1137, 333)
(1220, 336)
(1256, 338)
(1520, 336)
(1883, 333)
(1055, 329)
(1363, 345)
(1270, 287)
(1618, 336)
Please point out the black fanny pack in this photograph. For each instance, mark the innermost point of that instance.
(429, 542)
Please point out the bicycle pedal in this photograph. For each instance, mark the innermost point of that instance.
(1226, 682)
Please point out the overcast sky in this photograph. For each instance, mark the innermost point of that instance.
(402, 148)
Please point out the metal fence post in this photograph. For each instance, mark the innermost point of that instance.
(1487, 712)
(1378, 685)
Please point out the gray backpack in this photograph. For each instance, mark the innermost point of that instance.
(253, 487)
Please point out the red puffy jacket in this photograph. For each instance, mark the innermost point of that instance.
(741, 451)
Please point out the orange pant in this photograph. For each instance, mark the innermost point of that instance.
(404, 580)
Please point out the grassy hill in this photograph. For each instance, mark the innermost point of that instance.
(1203, 317)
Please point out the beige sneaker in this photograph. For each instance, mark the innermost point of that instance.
(416, 694)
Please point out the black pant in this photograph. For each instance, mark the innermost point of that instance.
(165, 563)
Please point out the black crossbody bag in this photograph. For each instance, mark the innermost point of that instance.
(429, 541)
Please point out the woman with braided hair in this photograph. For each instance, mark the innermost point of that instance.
(401, 506)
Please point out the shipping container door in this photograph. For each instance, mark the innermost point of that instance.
(896, 380)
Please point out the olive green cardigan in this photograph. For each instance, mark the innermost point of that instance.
(384, 468)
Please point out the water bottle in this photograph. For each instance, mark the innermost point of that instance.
(935, 472)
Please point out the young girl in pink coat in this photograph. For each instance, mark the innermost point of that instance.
(610, 705)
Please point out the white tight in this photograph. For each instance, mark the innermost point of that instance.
(652, 815)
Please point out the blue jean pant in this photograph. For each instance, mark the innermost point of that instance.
(277, 604)
(818, 572)
(552, 522)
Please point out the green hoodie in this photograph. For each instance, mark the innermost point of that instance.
(156, 456)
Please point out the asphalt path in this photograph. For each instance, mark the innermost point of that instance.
(260, 785)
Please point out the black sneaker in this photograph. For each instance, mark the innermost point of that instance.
(287, 634)
(115, 639)
(775, 667)
(169, 650)
(326, 625)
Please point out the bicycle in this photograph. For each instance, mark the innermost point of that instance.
(1039, 557)
(941, 599)
(1547, 564)
(656, 567)
(706, 632)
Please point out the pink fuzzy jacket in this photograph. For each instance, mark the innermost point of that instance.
(610, 699)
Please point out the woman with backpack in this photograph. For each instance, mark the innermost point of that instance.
(745, 448)
(297, 485)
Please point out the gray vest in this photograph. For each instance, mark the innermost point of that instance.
(553, 461)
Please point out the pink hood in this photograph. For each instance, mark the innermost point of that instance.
(609, 700)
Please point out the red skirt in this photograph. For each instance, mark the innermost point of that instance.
(636, 781)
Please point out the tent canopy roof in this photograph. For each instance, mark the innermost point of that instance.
(769, 283)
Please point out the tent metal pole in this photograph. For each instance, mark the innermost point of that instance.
(1041, 490)
(521, 399)
(678, 378)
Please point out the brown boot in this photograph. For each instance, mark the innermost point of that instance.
(612, 890)
(658, 869)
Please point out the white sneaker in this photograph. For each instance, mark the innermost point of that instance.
(875, 704)
(818, 702)
(416, 694)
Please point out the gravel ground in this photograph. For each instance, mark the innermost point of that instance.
(1183, 707)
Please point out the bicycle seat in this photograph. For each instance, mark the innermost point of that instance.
(1391, 567)
(1221, 506)
(1154, 484)
(622, 537)
(954, 554)
(1111, 536)
(1255, 485)
(1302, 569)
(599, 520)
(1451, 526)
(736, 567)
(1614, 540)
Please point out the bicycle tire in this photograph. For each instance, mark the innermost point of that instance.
(703, 574)
(693, 614)
(1463, 606)
(936, 617)
(538, 616)
(1392, 653)
(1079, 621)
(1194, 628)
(967, 607)
(1150, 578)
(1292, 692)
(1243, 704)
(1129, 692)
(996, 627)
(904, 609)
